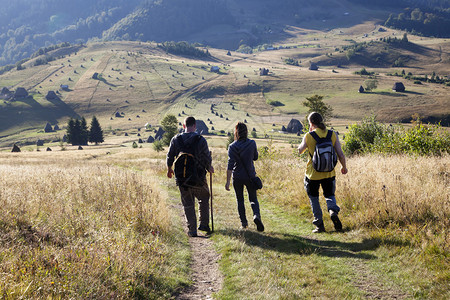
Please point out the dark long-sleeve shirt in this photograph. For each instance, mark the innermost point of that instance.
(202, 152)
(248, 152)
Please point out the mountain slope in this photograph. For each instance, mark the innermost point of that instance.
(27, 25)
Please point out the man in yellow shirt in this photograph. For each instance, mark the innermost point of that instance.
(314, 179)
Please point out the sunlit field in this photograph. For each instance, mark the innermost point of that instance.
(98, 224)
(85, 229)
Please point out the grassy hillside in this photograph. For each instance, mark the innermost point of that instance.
(143, 83)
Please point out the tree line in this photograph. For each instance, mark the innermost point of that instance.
(78, 132)
(183, 49)
(428, 22)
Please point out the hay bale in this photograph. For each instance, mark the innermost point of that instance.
(15, 148)
(51, 95)
(21, 93)
(159, 134)
(294, 126)
(398, 87)
(48, 128)
(201, 127)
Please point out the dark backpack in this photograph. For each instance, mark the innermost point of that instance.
(187, 168)
(324, 158)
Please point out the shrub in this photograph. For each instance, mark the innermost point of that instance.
(361, 137)
(373, 137)
(371, 84)
(158, 146)
(291, 61)
(363, 71)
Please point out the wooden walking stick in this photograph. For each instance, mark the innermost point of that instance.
(211, 192)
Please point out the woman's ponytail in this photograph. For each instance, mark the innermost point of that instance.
(316, 119)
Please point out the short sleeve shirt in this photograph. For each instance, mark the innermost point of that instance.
(311, 143)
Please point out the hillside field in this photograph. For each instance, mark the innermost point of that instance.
(143, 83)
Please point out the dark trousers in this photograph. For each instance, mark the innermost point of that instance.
(188, 195)
(238, 185)
(329, 188)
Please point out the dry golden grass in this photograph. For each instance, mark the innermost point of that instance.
(86, 224)
(404, 196)
(81, 229)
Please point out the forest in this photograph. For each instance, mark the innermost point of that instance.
(28, 25)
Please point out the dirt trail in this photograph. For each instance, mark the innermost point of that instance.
(206, 276)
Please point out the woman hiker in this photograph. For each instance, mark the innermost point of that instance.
(241, 154)
(314, 179)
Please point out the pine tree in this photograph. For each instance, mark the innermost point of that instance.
(84, 132)
(77, 133)
(71, 131)
(170, 125)
(95, 132)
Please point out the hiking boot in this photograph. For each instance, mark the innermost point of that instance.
(204, 228)
(337, 223)
(259, 224)
(192, 233)
(244, 227)
(319, 228)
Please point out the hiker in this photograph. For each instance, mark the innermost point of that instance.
(326, 177)
(191, 150)
(241, 154)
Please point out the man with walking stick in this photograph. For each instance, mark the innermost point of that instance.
(193, 160)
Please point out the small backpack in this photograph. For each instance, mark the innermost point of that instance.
(324, 158)
(186, 168)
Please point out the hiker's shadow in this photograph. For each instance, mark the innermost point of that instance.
(292, 244)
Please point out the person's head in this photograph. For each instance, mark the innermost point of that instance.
(316, 119)
(240, 131)
(189, 124)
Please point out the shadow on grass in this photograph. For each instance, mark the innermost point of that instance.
(106, 81)
(413, 93)
(392, 94)
(292, 244)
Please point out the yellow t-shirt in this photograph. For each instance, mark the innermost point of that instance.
(311, 143)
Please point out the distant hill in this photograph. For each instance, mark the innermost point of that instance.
(27, 25)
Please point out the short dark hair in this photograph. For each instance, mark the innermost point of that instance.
(189, 121)
(240, 131)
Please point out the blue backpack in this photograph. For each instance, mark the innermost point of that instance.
(324, 158)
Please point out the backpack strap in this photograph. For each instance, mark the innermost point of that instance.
(329, 134)
(315, 136)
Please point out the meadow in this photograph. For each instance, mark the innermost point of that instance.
(73, 227)
(101, 223)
